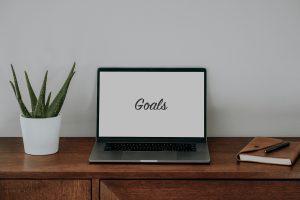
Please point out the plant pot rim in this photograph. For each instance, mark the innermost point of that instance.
(58, 116)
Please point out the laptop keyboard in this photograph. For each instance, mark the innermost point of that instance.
(150, 147)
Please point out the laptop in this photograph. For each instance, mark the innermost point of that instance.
(151, 115)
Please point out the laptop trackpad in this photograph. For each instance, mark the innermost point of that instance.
(149, 155)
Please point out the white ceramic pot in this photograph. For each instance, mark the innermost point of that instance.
(40, 135)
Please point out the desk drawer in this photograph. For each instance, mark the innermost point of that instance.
(45, 189)
(199, 189)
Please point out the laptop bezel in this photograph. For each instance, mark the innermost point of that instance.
(150, 139)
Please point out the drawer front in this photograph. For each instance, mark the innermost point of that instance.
(199, 189)
(45, 189)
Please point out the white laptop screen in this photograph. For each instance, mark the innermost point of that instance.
(151, 104)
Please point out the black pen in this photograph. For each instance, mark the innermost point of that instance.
(277, 147)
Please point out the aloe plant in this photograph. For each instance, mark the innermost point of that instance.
(41, 107)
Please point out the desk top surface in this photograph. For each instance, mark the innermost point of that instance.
(72, 162)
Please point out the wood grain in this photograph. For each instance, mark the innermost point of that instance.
(201, 189)
(45, 189)
(68, 175)
(95, 189)
(72, 162)
(108, 193)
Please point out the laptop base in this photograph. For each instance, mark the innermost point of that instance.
(98, 155)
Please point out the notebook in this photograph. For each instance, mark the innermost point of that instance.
(254, 151)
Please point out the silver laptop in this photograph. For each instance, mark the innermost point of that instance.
(151, 115)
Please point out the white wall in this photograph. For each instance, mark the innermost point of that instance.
(250, 48)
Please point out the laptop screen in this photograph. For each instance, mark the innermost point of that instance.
(151, 103)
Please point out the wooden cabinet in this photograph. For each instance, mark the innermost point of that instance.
(45, 189)
(68, 175)
(199, 189)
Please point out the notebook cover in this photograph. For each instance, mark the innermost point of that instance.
(257, 146)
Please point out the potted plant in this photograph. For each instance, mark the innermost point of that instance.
(41, 127)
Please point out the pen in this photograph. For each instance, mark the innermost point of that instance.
(277, 147)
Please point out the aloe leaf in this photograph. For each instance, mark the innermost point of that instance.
(39, 110)
(15, 86)
(32, 95)
(58, 101)
(48, 101)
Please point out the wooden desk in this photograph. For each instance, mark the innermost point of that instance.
(68, 175)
